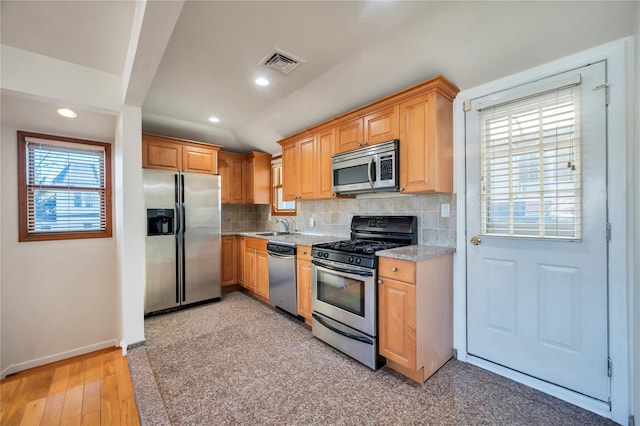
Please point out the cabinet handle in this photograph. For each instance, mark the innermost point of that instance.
(359, 144)
(379, 281)
(394, 269)
(364, 143)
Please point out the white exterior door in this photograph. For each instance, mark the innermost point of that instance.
(537, 230)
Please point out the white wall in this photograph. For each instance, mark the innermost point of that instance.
(58, 297)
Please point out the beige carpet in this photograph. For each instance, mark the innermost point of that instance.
(239, 362)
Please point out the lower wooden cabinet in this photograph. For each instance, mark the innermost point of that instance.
(262, 274)
(303, 277)
(415, 314)
(256, 267)
(228, 260)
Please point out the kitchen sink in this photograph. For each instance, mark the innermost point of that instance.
(270, 234)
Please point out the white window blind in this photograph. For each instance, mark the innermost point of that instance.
(66, 187)
(530, 166)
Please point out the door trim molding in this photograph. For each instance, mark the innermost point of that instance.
(619, 75)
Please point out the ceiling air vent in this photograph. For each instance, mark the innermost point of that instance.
(281, 61)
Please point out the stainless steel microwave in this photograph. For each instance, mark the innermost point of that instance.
(370, 169)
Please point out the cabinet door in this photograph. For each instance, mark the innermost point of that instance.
(349, 135)
(324, 151)
(290, 167)
(262, 274)
(229, 260)
(237, 187)
(382, 125)
(258, 178)
(250, 256)
(224, 171)
(159, 154)
(242, 248)
(426, 144)
(397, 321)
(199, 159)
(303, 276)
(308, 168)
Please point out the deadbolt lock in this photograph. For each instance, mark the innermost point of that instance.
(476, 241)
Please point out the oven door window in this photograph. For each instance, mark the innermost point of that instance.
(342, 292)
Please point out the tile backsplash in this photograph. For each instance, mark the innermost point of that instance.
(333, 217)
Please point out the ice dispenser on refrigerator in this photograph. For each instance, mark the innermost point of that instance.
(159, 222)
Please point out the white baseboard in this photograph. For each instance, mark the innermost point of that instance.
(14, 368)
(564, 394)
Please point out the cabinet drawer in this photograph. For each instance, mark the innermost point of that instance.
(402, 270)
(256, 243)
(304, 252)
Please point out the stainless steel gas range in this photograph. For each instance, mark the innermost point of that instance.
(344, 284)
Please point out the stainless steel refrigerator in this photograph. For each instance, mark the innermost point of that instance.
(183, 239)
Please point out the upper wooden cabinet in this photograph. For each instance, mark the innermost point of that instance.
(258, 174)
(306, 165)
(420, 116)
(232, 178)
(290, 171)
(165, 153)
(245, 178)
(375, 127)
(325, 141)
(349, 135)
(426, 143)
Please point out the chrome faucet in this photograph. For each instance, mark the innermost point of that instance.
(295, 225)
(285, 223)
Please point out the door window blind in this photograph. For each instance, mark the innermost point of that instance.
(66, 187)
(530, 166)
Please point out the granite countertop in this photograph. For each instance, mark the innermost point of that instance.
(415, 253)
(301, 239)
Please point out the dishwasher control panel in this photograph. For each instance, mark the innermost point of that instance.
(281, 248)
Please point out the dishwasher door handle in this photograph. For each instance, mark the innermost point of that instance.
(281, 256)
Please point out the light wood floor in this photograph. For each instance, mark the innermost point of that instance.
(92, 389)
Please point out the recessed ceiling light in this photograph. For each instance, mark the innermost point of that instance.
(68, 113)
(214, 119)
(262, 81)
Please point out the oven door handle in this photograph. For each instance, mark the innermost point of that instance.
(348, 335)
(345, 271)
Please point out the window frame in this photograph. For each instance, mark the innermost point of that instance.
(23, 211)
(276, 183)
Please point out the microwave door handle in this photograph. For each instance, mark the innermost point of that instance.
(369, 171)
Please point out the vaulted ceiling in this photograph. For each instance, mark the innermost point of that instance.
(184, 62)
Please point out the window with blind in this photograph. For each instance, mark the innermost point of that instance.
(530, 166)
(64, 187)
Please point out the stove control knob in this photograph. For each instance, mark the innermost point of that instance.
(326, 254)
(358, 260)
(350, 259)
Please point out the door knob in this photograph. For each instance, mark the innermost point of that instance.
(476, 241)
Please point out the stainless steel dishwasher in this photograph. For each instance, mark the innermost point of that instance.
(282, 276)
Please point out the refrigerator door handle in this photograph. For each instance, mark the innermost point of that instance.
(177, 268)
(184, 281)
